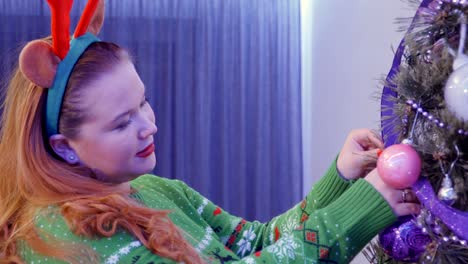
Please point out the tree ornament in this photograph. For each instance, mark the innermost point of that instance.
(456, 87)
(399, 166)
(447, 193)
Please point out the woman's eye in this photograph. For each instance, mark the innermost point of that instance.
(123, 125)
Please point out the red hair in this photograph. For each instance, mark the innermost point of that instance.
(32, 178)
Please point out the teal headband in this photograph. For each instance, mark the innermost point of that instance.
(64, 70)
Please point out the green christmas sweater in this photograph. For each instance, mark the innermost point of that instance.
(331, 225)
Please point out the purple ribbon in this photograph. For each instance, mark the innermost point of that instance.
(388, 94)
(455, 220)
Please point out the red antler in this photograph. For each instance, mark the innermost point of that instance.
(88, 13)
(60, 26)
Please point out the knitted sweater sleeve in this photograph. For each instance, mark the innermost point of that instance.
(327, 189)
(331, 234)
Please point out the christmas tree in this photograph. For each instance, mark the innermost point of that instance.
(425, 106)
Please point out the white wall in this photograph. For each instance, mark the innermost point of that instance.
(347, 48)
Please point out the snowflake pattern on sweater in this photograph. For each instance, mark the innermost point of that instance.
(331, 225)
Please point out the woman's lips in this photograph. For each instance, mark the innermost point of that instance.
(146, 152)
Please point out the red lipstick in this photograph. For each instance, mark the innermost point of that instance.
(146, 152)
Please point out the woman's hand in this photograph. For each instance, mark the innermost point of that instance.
(359, 153)
(402, 202)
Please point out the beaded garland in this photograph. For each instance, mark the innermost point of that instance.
(416, 107)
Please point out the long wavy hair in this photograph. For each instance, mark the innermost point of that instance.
(32, 178)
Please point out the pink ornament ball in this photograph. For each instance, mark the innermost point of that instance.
(399, 166)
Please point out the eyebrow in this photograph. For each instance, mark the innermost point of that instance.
(121, 115)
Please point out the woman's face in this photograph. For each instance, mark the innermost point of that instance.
(116, 141)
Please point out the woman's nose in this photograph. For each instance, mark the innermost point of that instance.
(149, 130)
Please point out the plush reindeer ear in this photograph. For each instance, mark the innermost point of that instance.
(92, 18)
(38, 63)
(98, 19)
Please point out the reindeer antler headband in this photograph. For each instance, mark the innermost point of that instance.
(51, 66)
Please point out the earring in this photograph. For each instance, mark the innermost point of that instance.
(71, 157)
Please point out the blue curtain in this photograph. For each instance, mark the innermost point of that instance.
(224, 79)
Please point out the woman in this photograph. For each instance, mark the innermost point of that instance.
(79, 134)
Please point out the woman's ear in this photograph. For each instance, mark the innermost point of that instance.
(60, 145)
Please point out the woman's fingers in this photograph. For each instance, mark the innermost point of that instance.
(402, 209)
(367, 139)
(405, 202)
(408, 196)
